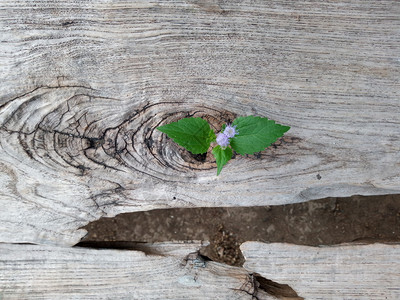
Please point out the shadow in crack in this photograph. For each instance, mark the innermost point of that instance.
(321, 222)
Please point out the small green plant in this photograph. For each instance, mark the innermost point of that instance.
(246, 135)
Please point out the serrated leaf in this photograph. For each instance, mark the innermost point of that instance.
(255, 134)
(222, 156)
(194, 134)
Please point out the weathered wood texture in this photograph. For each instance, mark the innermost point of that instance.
(175, 271)
(47, 272)
(342, 272)
(83, 85)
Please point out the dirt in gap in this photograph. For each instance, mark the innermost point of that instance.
(321, 222)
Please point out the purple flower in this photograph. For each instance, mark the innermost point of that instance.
(230, 131)
(222, 140)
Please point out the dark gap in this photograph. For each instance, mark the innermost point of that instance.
(278, 290)
(149, 142)
(199, 157)
(327, 221)
(137, 246)
(95, 143)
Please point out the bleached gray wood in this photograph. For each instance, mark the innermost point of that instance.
(53, 272)
(47, 272)
(83, 85)
(340, 272)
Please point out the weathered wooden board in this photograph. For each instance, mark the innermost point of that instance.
(47, 272)
(83, 85)
(342, 272)
(177, 272)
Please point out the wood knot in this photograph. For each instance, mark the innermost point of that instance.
(84, 132)
(166, 148)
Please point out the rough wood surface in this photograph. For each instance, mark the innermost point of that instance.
(47, 272)
(177, 272)
(342, 272)
(83, 85)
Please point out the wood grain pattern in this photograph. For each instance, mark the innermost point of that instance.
(46, 272)
(84, 85)
(342, 272)
(178, 272)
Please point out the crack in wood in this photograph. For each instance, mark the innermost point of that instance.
(256, 285)
(254, 282)
(280, 291)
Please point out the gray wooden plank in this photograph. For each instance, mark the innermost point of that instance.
(337, 272)
(48, 272)
(84, 85)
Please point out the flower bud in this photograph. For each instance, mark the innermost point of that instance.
(222, 140)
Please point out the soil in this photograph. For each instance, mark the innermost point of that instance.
(329, 221)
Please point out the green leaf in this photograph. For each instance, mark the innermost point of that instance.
(255, 134)
(194, 134)
(222, 156)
